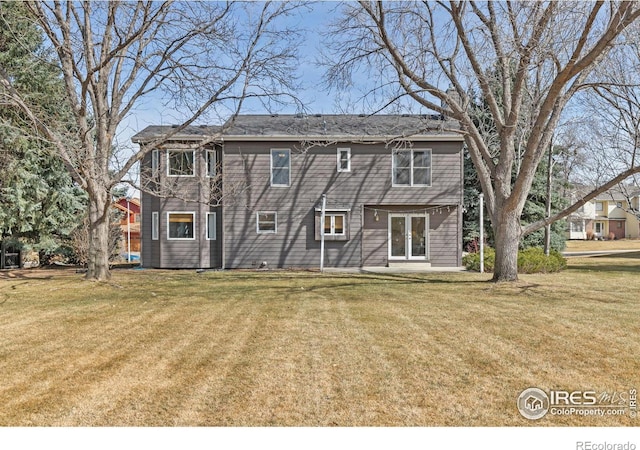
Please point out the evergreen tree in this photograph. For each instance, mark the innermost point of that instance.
(39, 203)
(535, 205)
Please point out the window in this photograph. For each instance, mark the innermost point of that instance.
(334, 224)
(180, 225)
(280, 167)
(155, 163)
(211, 163)
(266, 222)
(599, 206)
(344, 160)
(411, 167)
(211, 226)
(577, 226)
(180, 163)
(155, 225)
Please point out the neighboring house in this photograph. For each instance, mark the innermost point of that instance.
(393, 187)
(606, 216)
(129, 224)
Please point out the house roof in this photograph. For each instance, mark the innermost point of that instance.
(318, 127)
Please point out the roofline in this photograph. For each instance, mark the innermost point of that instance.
(341, 138)
(457, 137)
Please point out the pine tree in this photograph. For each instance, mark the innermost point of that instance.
(39, 204)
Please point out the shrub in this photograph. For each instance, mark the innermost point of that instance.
(531, 260)
(472, 260)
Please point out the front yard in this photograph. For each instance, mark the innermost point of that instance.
(163, 348)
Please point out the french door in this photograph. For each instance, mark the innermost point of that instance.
(408, 236)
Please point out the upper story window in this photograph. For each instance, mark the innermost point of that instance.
(155, 163)
(344, 160)
(411, 167)
(599, 206)
(180, 163)
(280, 167)
(211, 163)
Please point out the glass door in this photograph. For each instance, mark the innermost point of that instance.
(408, 236)
(398, 242)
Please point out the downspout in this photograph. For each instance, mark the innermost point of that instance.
(322, 215)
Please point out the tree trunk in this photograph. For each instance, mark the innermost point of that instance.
(508, 232)
(98, 262)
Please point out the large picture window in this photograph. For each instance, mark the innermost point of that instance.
(280, 167)
(411, 167)
(181, 225)
(267, 222)
(180, 163)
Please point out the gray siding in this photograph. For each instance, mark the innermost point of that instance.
(314, 172)
(179, 254)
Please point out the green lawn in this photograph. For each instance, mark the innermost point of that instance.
(176, 348)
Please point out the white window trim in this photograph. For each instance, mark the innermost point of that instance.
(169, 163)
(599, 206)
(193, 213)
(215, 162)
(348, 150)
(155, 226)
(271, 167)
(411, 183)
(333, 224)
(275, 220)
(215, 226)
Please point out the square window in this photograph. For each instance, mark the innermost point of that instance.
(180, 163)
(181, 225)
(334, 224)
(411, 168)
(266, 222)
(281, 167)
(344, 160)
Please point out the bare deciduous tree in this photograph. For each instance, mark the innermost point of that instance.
(439, 53)
(197, 57)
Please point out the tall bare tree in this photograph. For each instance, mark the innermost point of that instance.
(197, 57)
(439, 53)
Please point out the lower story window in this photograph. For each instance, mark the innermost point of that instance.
(180, 225)
(211, 226)
(267, 222)
(334, 225)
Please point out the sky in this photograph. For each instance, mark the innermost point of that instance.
(313, 22)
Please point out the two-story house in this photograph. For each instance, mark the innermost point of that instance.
(609, 215)
(253, 195)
